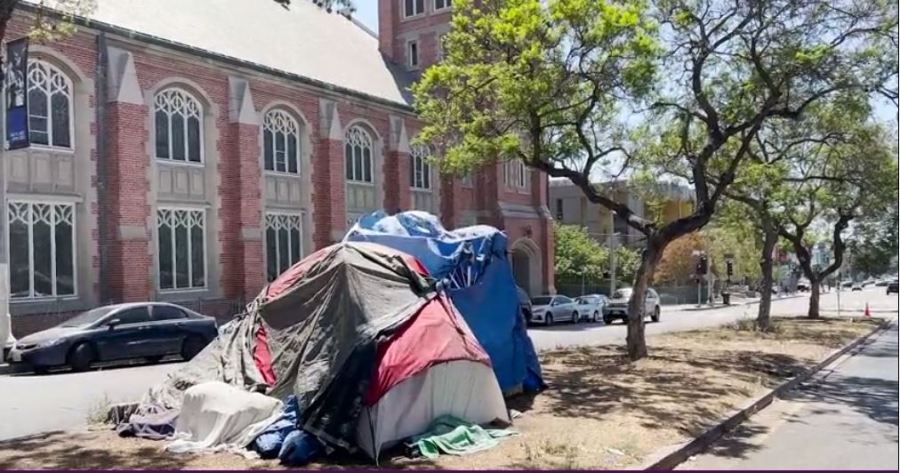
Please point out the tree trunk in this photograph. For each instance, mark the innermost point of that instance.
(814, 284)
(766, 266)
(635, 341)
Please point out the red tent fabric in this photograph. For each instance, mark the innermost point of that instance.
(262, 357)
(435, 335)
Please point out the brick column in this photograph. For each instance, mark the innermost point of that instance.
(539, 191)
(127, 237)
(328, 201)
(396, 168)
(240, 234)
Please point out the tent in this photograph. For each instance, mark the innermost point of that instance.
(356, 332)
(472, 265)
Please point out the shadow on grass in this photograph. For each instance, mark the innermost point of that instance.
(57, 451)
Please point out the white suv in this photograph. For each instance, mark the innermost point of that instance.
(617, 308)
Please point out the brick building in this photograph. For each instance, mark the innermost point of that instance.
(187, 151)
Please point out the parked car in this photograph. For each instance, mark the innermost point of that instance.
(548, 310)
(803, 285)
(893, 287)
(881, 283)
(148, 330)
(856, 287)
(617, 307)
(590, 307)
(848, 284)
(524, 304)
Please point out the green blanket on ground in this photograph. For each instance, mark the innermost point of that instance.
(454, 436)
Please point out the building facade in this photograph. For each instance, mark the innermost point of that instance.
(191, 156)
(666, 203)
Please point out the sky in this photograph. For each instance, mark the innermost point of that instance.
(367, 12)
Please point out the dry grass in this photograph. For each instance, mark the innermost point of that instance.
(599, 412)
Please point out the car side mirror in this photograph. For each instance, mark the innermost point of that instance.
(112, 323)
(554, 303)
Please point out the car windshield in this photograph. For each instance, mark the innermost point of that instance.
(584, 300)
(622, 293)
(541, 300)
(87, 318)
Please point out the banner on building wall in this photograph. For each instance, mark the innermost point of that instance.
(16, 82)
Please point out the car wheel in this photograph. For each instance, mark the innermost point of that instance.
(575, 317)
(81, 356)
(191, 346)
(655, 316)
(607, 320)
(596, 317)
(548, 320)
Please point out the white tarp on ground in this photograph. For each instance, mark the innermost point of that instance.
(216, 416)
(465, 389)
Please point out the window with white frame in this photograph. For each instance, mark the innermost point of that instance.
(41, 249)
(412, 54)
(419, 168)
(413, 7)
(515, 174)
(178, 119)
(284, 245)
(181, 249)
(281, 142)
(49, 106)
(441, 4)
(358, 155)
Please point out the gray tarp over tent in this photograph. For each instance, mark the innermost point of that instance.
(322, 320)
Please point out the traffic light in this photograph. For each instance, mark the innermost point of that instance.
(729, 268)
(702, 265)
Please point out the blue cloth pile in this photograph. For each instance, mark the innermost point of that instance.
(285, 441)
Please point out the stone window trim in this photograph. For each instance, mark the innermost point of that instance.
(412, 54)
(516, 176)
(182, 214)
(173, 101)
(441, 5)
(46, 78)
(277, 220)
(421, 177)
(411, 9)
(57, 212)
(359, 156)
(281, 120)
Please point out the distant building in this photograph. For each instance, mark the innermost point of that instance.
(570, 206)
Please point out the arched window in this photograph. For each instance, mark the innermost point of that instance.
(281, 142)
(358, 154)
(419, 168)
(49, 106)
(178, 119)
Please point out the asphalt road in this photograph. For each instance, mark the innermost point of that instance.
(31, 404)
(843, 419)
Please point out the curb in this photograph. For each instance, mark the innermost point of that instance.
(680, 453)
(738, 304)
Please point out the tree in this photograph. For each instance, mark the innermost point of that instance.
(577, 255)
(552, 83)
(873, 244)
(678, 263)
(855, 178)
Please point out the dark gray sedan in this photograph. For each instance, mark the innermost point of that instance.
(149, 330)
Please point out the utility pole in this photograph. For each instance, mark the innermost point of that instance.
(612, 266)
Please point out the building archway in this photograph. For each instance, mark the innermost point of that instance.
(525, 258)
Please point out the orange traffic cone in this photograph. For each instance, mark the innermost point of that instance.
(867, 314)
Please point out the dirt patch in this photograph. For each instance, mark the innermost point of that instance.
(600, 410)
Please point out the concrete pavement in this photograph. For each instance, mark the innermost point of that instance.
(32, 404)
(844, 418)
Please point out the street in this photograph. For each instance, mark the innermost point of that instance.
(32, 404)
(845, 418)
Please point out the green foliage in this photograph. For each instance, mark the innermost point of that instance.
(512, 66)
(577, 254)
(627, 262)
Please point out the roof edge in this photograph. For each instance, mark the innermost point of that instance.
(181, 47)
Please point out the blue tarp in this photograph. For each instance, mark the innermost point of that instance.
(472, 266)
